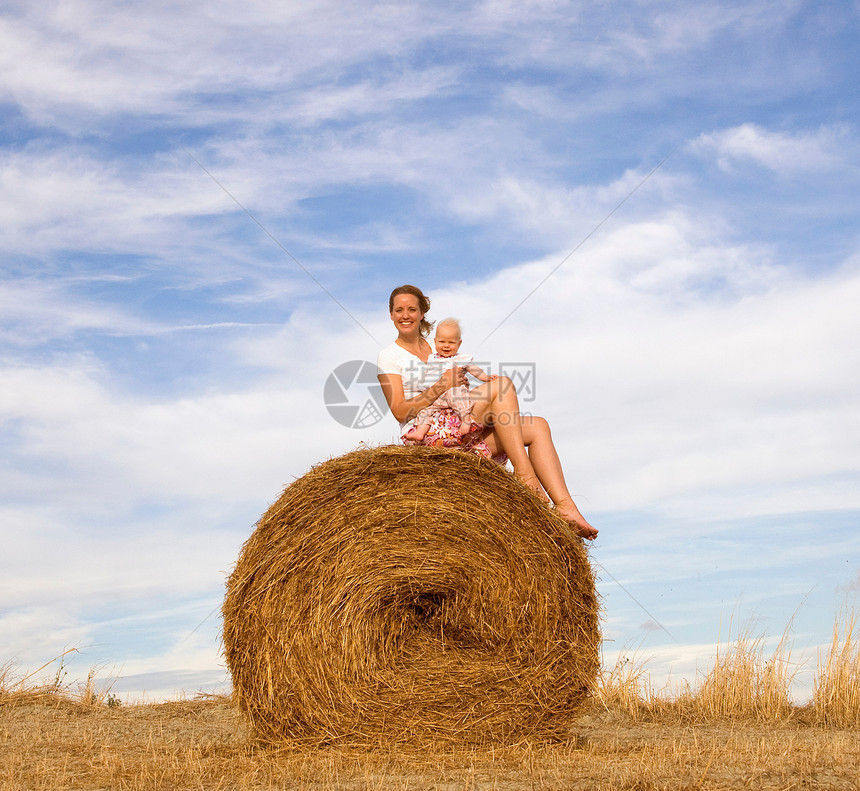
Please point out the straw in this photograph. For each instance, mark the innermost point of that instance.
(403, 594)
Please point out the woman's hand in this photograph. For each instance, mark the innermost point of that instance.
(453, 377)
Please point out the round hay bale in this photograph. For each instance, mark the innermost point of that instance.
(399, 594)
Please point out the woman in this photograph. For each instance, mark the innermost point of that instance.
(526, 440)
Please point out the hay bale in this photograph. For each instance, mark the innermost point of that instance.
(410, 594)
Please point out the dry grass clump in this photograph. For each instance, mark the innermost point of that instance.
(24, 690)
(625, 688)
(836, 695)
(746, 683)
(398, 594)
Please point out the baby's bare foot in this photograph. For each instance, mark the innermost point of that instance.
(465, 427)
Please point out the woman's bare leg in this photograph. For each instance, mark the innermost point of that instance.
(547, 466)
(495, 405)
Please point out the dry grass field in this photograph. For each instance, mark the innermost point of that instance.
(54, 744)
(735, 729)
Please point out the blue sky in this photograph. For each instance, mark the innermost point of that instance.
(188, 190)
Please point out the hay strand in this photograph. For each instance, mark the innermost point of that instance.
(410, 594)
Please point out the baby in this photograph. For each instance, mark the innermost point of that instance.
(447, 341)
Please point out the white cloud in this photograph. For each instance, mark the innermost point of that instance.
(368, 97)
(692, 26)
(171, 59)
(174, 53)
(61, 199)
(111, 554)
(34, 635)
(194, 447)
(652, 36)
(166, 207)
(784, 153)
(33, 312)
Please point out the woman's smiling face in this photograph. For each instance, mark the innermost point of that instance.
(406, 314)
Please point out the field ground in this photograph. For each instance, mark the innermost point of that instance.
(736, 728)
(51, 743)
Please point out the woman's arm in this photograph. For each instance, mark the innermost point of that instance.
(403, 409)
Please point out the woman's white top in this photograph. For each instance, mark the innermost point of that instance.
(396, 360)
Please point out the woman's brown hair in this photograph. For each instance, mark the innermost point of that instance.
(423, 305)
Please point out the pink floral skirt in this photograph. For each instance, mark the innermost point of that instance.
(442, 433)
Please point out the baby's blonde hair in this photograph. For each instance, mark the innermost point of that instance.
(450, 322)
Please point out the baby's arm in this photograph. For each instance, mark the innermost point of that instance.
(479, 374)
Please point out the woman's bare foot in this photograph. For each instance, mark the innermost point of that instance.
(568, 511)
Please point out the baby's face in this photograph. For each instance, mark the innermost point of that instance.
(447, 341)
